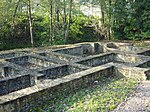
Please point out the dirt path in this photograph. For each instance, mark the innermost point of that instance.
(139, 102)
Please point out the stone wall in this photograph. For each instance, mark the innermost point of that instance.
(123, 57)
(31, 62)
(68, 84)
(97, 60)
(145, 64)
(59, 56)
(40, 62)
(8, 85)
(18, 60)
(59, 71)
(76, 51)
(8, 72)
(2, 72)
(146, 53)
(10, 55)
(131, 72)
(65, 68)
(130, 49)
(98, 48)
(147, 74)
(112, 45)
(82, 50)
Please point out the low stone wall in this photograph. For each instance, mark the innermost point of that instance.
(2, 72)
(145, 64)
(88, 49)
(8, 85)
(123, 57)
(147, 74)
(131, 72)
(82, 49)
(97, 60)
(76, 51)
(68, 68)
(130, 49)
(8, 72)
(18, 60)
(59, 71)
(23, 102)
(34, 62)
(8, 69)
(40, 62)
(10, 55)
(112, 45)
(59, 56)
(98, 48)
(146, 53)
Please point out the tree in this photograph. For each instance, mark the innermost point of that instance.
(51, 20)
(30, 22)
(69, 21)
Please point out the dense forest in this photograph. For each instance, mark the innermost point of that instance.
(32, 23)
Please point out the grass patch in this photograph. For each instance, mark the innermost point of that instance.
(102, 95)
(142, 44)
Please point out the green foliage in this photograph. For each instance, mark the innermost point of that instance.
(41, 30)
(14, 38)
(122, 19)
(132, 20)
(80, 30)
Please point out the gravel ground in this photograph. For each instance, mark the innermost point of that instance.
(139, 102)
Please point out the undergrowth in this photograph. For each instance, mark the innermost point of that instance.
(103, 95)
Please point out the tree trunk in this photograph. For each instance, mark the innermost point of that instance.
(64, 18)
(69, 20)
(30, 23)
(13, 20)
(109, 29)
(51, 21)
(57, 14)
(103, 16)
(103, 32)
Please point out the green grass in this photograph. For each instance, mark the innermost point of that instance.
(142, 44)
(103, 95)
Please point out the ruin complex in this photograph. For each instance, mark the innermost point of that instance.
(30, 76)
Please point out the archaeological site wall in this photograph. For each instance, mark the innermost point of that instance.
(28, 77)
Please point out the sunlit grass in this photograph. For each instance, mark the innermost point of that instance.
(103, 95)
(143, 44)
